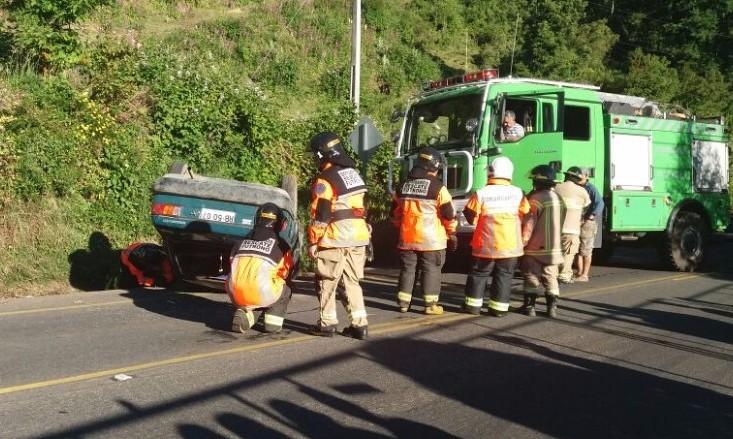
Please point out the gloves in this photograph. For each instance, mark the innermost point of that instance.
(370, 252)
(312, 250)
(452, 243)
(369, 247)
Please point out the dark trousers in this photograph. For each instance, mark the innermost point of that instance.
(429, 264)
(501, 272)
(274, 314)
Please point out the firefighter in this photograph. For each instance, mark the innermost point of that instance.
(541, 235)
(338, 236)
(576, 200)
(496, 210)
(259, 269)
(148, 264)
(423, 212)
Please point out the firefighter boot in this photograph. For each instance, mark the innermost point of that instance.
(433, 309)
(242, 321)
(551, 305)
(357, 332)
(528, 305)
(323, 331)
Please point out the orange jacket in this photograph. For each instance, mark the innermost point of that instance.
(146, 261)
(337, 209)
(422, 210)
(497, 210)
(259, 269)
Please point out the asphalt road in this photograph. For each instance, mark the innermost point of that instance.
(636, 353)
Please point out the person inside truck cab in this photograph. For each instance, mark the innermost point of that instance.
(511, 131)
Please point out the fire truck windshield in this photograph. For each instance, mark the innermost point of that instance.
(444, 123)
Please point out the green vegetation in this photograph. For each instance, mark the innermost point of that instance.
(98, 97)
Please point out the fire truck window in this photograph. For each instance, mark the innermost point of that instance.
(577, 123)
(525, 111)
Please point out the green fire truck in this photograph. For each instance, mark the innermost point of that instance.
(663, 173)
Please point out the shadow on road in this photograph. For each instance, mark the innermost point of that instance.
(545, 390)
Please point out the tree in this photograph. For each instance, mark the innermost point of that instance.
(558, 43)
(652, 77)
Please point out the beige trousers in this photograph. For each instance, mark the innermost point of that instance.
(341, 264)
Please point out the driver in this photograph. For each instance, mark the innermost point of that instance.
(511, 131)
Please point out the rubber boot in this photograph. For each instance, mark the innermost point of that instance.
(551, 305)
(528, 305)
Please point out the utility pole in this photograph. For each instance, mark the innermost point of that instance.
(356, 55)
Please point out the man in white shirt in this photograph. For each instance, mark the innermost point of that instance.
(511, 130)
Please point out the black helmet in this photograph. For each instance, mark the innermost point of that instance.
(543, 175)
(328, 147)
(575, 173)
(268, 215)
(428, 159)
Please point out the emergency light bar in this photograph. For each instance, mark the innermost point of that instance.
(483, 75)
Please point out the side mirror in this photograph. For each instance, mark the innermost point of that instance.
(471, 125)
(494, 151)
(397, 115)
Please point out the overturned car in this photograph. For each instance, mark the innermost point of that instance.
(201, 219)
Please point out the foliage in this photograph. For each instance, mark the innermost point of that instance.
(41, 30)
(238, 89)
(651, 76)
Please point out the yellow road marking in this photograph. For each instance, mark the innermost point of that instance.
(380, 328)
(375, 329)
(91, 305)
(61, 308)
(631, 284)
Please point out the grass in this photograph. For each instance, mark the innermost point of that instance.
(39, 240)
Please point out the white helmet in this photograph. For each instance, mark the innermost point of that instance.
(501, 167)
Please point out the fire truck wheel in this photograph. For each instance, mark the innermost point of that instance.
(683, 249)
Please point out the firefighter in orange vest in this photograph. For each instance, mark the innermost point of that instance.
(259, 269)
(338, 236)
(148, 264)
(496, 210)
(423, 212)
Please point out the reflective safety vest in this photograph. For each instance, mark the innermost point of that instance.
(496, 210)
(423, 212)
(541, 227)
(146, 261)
(259, 268)
(576, 200)
(337, 209)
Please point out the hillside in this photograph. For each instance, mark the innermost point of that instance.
(98, 97)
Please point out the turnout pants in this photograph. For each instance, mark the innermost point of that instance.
(501, 272)
(273, 316)
(341, 264)
(537, 273)
(429, 264)
(570, 246)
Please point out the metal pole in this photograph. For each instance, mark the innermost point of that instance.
(356, 56)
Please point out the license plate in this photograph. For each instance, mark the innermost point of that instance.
(220, 216)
